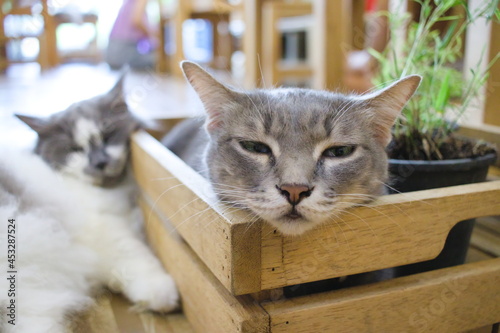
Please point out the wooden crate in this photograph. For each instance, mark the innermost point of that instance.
(230, 269)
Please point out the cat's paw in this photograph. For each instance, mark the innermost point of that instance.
(157, 293)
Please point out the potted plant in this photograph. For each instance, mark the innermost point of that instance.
(426, 152)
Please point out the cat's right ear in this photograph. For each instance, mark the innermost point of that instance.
(212, 93)
(38, 124)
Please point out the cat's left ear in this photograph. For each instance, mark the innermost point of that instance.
(213, 94)
(388, 103)
(116, 95)
(38, 124)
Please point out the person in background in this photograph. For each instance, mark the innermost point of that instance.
(132, 39)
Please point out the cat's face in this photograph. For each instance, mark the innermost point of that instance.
(297, 158)
(90, 139)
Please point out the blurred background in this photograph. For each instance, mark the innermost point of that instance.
(323, 44)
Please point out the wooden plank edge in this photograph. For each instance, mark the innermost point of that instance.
(246, 259)
(452, 299)
(238, 266)
(192, 180)
(207, 304)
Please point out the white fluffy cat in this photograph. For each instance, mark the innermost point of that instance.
(71, 236)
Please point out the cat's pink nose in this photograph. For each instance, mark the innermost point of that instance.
(294, 193)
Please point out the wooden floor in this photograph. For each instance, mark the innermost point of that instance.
(112, 314)
(151, 96)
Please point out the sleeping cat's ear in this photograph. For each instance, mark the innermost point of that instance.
(116, 97)
(38, 124)
(388, 103)
(212, 93)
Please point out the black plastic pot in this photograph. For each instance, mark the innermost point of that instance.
(410, 176)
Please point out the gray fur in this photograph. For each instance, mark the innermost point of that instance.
(57, 137)
(298, 125)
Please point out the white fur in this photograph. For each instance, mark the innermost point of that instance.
(85, 131)
(74, 166)
(119, 155)
(72, 238)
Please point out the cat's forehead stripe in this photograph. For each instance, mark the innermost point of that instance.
(85, 131)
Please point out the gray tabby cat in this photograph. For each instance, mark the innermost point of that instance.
(78, 226)
(294, 157)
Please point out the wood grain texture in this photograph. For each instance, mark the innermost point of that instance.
(395, 230)
(491, 112)
(207, 304)
(112, 313)
(252, 43)
(224, 240)
(449, 300)
(98, 318)
(273, 71)
(484, 132)
(332, 33)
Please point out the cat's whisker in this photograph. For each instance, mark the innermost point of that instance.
(390, 218)
(344, 109)
(348, 211)
(341, 229)
(159, 198)
(176, 228)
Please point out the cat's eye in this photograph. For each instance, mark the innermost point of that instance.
(256, 147)
(339, 151)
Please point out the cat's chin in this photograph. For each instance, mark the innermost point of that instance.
(292, 226)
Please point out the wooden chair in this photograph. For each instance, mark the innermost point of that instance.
(231, 270)
(47, 56)
(90, 52)
(214, 11)
(274, 69)
(337, 28)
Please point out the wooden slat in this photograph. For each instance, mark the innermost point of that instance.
(474, 255)
(490, 223)
(332, 41)
(126, 321)
(21, 11)
(271, 44)
(98, 318)
(285, 69)
(207, 304)
(274, 71)
(484, 329)
(486, 241)
(252, 42)
(224, 241)
(395, 230)
(484, 132)
(491, 114)
(449, 300)
(183, 11)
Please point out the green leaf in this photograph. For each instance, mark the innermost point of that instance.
(444, 94)
(448, 18)
(449, 34)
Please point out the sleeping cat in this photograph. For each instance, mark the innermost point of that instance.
(295, 158)
(78, 226)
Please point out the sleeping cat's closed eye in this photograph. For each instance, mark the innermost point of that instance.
(256, 147)
(339, 151)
